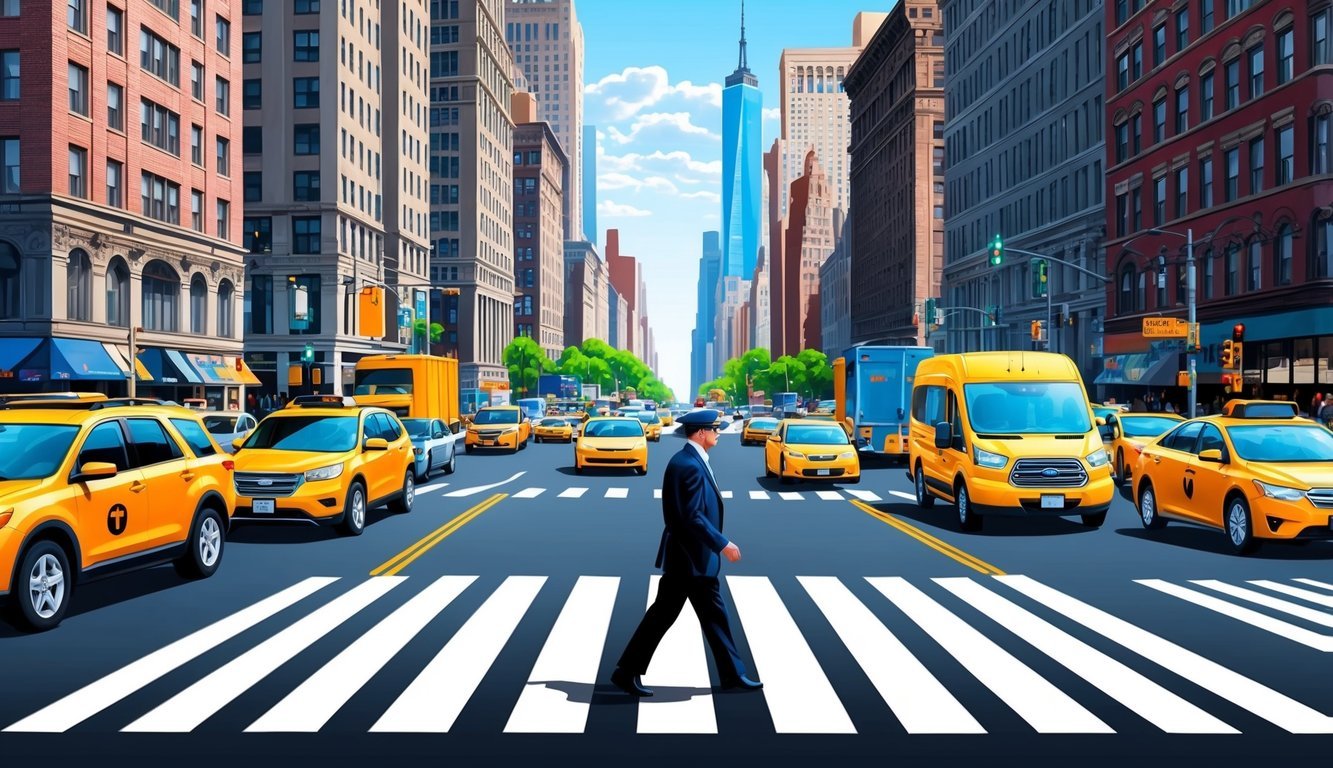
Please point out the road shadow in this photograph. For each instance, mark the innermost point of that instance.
(584, 693)
(775, 485)
(943, 517)
(598, 472)
(91, 596)
(244, 531)
(1215, 542)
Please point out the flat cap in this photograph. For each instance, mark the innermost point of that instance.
(702, 418)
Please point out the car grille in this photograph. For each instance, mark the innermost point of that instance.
(835, 472)
(269, 485)
(484, 435)
(1321, 497)
(822, 457)
(1048, 473)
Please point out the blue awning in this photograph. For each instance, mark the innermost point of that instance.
(167, 366)
(82, 360)
(13, 350)
(188, 371)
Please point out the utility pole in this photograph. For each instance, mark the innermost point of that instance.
(134, 359)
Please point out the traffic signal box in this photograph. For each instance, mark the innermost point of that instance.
(996, 251)
(1040, 283)
(1228, 355)
(1038, 330)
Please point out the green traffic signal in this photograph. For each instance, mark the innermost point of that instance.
(996, 251)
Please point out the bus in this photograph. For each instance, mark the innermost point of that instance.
(872, 392)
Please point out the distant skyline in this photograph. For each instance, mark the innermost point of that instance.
(654, 90)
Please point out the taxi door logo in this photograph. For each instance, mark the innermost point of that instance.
(116, 519)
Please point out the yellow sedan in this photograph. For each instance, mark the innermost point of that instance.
(652, 424)
(666, 417)
(1125, 434)
(612, 441)
(553, 428)
(805, 449)
(756, 431)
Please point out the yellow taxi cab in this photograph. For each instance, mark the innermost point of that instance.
(326, 460)
(91, 487)
(829, 417)
(756, 430)
(1125, 434)
(1255, 409)
(553, 428)
(1252, 476)
(498, 426)
(652, 424)
(1007, 433)
(810, 449)
(666, 417)
(612, 441)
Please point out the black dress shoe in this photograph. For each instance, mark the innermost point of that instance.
(742, 683)
(629, 683)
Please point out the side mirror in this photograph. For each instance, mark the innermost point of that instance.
(1101, 422)
(377, 444)
(237, 443)
(775, 438)
(437, 436)
(943, 435)
(95, 469)
(1212, 455)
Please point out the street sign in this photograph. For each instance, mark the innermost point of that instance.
(1165, 328)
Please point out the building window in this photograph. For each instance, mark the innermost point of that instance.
(78, 89)
(1321, 162)
(197, 80)
(252, 7)
(305, 234)
(9, 165)
(196, 210)
(224, 219)
(226, 312)
(1256, 165)
(1232, 190)
(160, 127)
(259, 234)
(115, 184)
(118, 294)
(1158, 45)
(260, 301)
(252, 140)
(198, 305)
(1282, 256)
(159, 199)
(224, 157)
(303, 303)
(10, 279)
(1208, 277)
(1233, 269)
(252, 93)
(306, 6)
(79, 286)
(1206, 182)
(1159, 120)
(254, 186)
(1182, 109)
(1121, 142)
(1136, 133)
(250, 47)
(1182, 28)
(1182, 191)
(1127, 284)
(306, 138)
(161, 294)
(1206, 97)
(1136, 61)
(1286, 55)
(9, 75)
(159, 57)
(305, 45)
(197, 145)
(1256, 262)
(78, 171)
(76, 15)
(115, 107)
(115, 30)
(1136, 209)
(1205, 16)
(1122, 71)
(1323, 248)
(305, 92)
(224, 36)
(1256, 59)
(1321, 51)
(1159, 201)
(305, 185)
(170, 7)
(1231, 73)
(223, 93)
(197, 18)
(1286, 155)
(1121, 214)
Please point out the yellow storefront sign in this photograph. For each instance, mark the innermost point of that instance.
(1165, 328)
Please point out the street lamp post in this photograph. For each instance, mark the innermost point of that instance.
(1192, 309)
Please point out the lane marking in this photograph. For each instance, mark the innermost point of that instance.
(829, 495)
(394, 565)
(1276, 708)
(939, 545)
(572, 493)
(790, 496)
(1304, 594)
(431, 488)
(1313, 583)
(314, 702)
(617, 493)
(571, 657)
(657, 493)
(82, 704)
(432, 702)
(726, 494)
(799, 696)
(864, 495)
(759, 495)
(529, 493)
(680, 670)
(483, 488)
(1046, 708)
(903, 495)
(1299, 611)
(917, 698)
(1263, 621)
(191, 707)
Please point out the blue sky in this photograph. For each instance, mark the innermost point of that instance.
(654, 73)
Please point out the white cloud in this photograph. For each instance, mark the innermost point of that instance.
(610, 208)
(773, 113)
(634, 89)
(675, 163)
(625, 181)
(704, 194)
(678, 121)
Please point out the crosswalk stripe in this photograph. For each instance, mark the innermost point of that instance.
(865, 495)
(1140, 695)
(617, 493)
(1253, 618)
(434, 699)
(903, 495)
(314, 702)
(1299, 611)
(680, 668)
(919, 700)
(759, 495)
(93, 698)
(1254, 697)
(657, 493)
(572, 493)
(188, 709)
(461, 492)
(559, 690)
(799, 696)
(529, 493)
(1304, 594)
(727, 494)
(790, 496)
(1045, 707)
(1313, 583)
(829, 495)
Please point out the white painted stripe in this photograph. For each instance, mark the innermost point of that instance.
(1258, 598)
(570, 657)
(1140, 695)
(790, 496)
(865, 495)
(1263, 701)
(920, 702)
(902, 495)
(432, 702)
(529, 493)
(188, 709)
(433, 487)
(759, 495)
(617, 493)
(572, 493)
(1318, 598)
(1313, 583)
(1045, 707)
(799, 696)
(829, 495)
(314, 702)
(95, 697)
(483, 488)
(726, 494)
(1253, 618)
(678, 664)
(657, 493)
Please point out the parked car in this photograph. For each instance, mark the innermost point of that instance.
(434, 446)
(228, 426)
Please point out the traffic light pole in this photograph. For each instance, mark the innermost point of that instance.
(1191, 300)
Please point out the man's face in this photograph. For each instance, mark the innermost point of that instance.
(708, 437)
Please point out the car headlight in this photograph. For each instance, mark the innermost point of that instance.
(847, 455)
(1098, 458)
(987, 459)
(796, 454)
(1280, 492)
(324, 473)
(509, 430)
(641, 444)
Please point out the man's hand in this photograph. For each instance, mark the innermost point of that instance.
(731, 552)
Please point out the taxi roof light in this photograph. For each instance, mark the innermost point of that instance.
(323, 401)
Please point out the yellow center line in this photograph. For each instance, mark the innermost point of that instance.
(398, 562)
(943, 547)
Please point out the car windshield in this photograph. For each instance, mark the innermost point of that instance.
(805, 434)
(615, 428)
(220, 425)
(1282, 442)
(502, 416)
(417, 428)
(649, 417)
(554, 423)
(764, 424)
(1027, 408)
(384, 381)
(1145, 426)
(33, 451)
(319, 434)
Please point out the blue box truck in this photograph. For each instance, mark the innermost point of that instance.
(872, 388)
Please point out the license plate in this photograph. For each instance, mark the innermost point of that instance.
(488, 442)
(822, 471)
(263, 506)
(1052, 501)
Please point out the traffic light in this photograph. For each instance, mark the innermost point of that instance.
(996, 251)
(308, 354)
(1238, 332)
(931, 320)
(1039, 278)
(1038, 330)
(1228, 355)
(1237, 355)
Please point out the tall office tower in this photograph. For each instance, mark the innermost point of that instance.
(547, 43)
(742, 118)
(777, 243)
(809, 242)
(759, 309)
(107, 225)
(705, 331)
(540, 172)
(472, 171)
(588, 170)
(585, 286)
(815, 110)
(835, 293)
(623, 272)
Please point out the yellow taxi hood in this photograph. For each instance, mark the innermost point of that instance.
(268, 460)
(602, 443)
(1303, 474)
(14, 491)
(1042, 446)
(820, 449)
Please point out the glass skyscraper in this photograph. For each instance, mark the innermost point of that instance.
(742, 172)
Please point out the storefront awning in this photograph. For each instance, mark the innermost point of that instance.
(247, 376)
(118, 357)
(214, 369)
(82, 360)
(12, 352)
(1141, 369)
(166, 366)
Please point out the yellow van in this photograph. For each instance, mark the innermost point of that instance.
(1007, 433)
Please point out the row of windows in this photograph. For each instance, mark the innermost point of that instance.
(299, 7)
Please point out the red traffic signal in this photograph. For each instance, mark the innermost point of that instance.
(1238, 332)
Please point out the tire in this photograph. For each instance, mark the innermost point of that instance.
(426, 475)
(403, 504)
(1094, 520)
(578, 468)
(782, 471)
(467, 448)
(354, 511)
(43, 609)
(1120, 468)
(1240, 527)
(203, 553)
(1149, 515)
(923, 498)
(968, 520)
(640, 471)
(453, 461)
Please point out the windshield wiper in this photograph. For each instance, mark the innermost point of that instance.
(1069, 437)
(998, 436)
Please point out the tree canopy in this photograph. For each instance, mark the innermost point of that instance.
(808, 374)
(596, 362)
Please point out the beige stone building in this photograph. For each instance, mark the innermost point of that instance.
(540, 171)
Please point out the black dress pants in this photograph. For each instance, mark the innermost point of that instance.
(704, 594)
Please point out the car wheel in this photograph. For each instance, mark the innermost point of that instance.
(782, 471)
(424, 476)
(1120, 466)
(203, 552)
(1239, 527)
(1148, 514)
(968, 519)
(403, 504)
(43, 588)
(467, 449)
(453, 462)
(1094, 520)
(578, 468)
(923, 497)
(640, 471)
(354, 511)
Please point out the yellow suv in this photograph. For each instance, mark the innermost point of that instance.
(498, 426)
(325, 460)
(92, 487)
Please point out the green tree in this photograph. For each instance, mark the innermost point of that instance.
(819, 374)
(526, 361)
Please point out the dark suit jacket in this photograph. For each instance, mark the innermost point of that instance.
(692, 513)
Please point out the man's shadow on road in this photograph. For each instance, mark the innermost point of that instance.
(585, 693)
